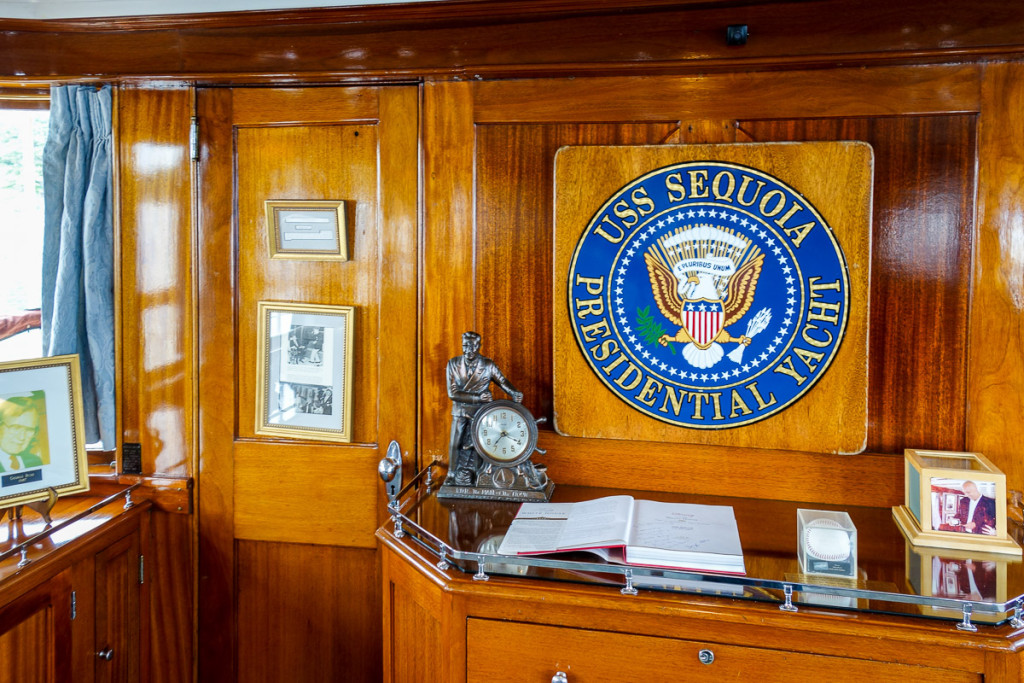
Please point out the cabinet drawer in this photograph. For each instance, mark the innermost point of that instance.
(509, 651)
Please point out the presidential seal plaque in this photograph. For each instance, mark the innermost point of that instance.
(709, 294)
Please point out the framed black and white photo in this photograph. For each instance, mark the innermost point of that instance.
(310, 230)
(304, 379)
(42, 444)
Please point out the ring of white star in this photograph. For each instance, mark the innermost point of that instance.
(745, 223)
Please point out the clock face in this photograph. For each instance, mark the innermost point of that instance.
(502, 434)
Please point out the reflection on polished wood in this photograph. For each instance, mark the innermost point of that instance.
(156, 311)
(508, 38)
(996, 365)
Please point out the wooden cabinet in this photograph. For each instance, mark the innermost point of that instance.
(35, 633)
(442, 625)
(117, 643)
(73, 614)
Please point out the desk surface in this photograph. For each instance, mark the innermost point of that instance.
(887, 564)
(65, 532)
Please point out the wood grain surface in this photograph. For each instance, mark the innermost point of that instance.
(157, 313)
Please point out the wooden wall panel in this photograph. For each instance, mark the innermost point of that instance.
(309, 162)
(157, 305)
(318, 494)
(739, 95)
(447, 308)
(215, 562)
(920, 271)
(514, 242)
(923, 209)
(301, 622)
(170, 577)
(996, 390)
(273, 494)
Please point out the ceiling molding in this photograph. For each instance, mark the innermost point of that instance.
(83, 9)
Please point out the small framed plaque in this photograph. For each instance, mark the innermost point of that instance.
(304, 378)
(307, 230)
(954, 500)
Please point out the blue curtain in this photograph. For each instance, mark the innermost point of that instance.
(78, 247)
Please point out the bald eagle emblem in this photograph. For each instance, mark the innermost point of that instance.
(703, 279)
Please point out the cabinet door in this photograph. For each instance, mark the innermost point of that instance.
(35, 634)
(117, 612)
(502, 651)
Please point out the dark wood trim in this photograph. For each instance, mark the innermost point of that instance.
(473, 39)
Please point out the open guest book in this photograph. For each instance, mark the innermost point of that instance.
(619, 529)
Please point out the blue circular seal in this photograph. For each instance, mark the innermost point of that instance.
(708, 295)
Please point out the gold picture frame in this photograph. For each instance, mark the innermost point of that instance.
(954, 500)
(304, 375)
(42, 440)
(308, 230)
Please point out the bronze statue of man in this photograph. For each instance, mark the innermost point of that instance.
(469, 387)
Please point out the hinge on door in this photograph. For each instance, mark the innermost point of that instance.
(193, 139)
(74, 605)
(142, 569)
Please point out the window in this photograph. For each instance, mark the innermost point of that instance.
(22, 136)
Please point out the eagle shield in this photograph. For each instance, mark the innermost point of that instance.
(703, 321)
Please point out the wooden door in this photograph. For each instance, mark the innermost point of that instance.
(35, 634)
(288, 585)
(117, 612)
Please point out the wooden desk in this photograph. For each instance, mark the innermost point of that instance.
(442, 625)
(74, 612)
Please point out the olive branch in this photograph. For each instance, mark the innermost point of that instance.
(650, 329)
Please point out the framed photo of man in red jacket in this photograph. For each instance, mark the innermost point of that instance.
(955, 500)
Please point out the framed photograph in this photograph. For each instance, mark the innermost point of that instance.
(308, 230)
(954, 500)
(42, 445)
(304, 378)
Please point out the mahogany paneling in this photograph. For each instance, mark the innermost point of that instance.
(922, 242)
(400, 242)
(157, 306)
(448, 286)
(309, 162)
(170, 579)
(328, 497)
(925, 181)
(357, 145)
(216, 392)
(301, 622)
(509, 38)
(739, 95)
(514, 243)
(117, 611)
(26, 645)
(495, 646)
(995, 396)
